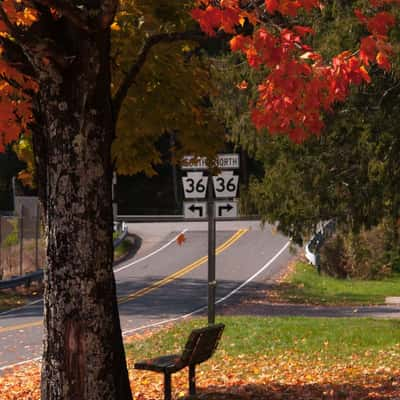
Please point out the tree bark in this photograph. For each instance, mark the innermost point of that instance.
(83, 357)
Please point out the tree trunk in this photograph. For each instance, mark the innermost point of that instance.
(83, 356)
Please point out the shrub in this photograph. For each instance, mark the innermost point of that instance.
(12, 239)
(363, 255)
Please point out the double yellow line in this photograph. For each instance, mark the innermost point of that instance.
(124, 299)
(183, 271)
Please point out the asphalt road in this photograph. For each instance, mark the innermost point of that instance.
(164, 280)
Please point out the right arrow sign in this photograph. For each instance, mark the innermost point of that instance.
(226, 209)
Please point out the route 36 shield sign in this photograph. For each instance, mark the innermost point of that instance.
(225, 184)
(195, 185)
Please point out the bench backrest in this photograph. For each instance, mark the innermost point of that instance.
(201, 344)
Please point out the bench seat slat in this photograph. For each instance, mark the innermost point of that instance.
(169, 363)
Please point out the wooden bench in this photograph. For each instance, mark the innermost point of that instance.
(199, 347)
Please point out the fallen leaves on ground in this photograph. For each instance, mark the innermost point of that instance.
(21, 382)
(286, 376)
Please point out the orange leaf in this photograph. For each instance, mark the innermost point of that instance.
(242, 85)
(365, 74)
(181, 239)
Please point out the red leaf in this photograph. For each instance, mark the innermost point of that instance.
(271, 6)
(303, 30)
(383, 61)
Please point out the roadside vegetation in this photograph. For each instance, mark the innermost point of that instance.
(368, 254)
(260, 358)
(10, 299)
(123, 249)
(304, 285)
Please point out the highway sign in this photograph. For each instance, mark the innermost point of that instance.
(195, 185)
(225, 209)
(225, 184)
(196, 163)
(228, 161)
(223, 161)
(195, 209)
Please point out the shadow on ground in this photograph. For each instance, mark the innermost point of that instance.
(142, 298)
(381, 390)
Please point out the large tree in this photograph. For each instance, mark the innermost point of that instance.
(56, 62)
(62, 50)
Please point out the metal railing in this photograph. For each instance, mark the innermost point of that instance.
(22, 249)
(22, 244)
(312, 248)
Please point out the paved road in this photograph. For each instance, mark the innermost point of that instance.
(164, 280)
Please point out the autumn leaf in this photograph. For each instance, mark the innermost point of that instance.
(284, 375)
(242, 85)
(271, 6)
(181, 239)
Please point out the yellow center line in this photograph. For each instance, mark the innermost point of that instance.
(123, 299)
(19, 327)
(183, 271)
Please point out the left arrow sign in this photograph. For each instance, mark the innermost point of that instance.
(195, 209)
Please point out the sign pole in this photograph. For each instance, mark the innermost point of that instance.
(212, 283)
(194, 187)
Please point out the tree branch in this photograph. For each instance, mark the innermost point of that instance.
(109, 9)
(387, 92)
(15, 56)
(134, 70)
(81, 17)
(78, 17)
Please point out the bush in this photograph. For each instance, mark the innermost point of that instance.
(333, 257)
(12, 238)
(363, 255)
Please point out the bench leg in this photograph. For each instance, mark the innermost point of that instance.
(192, 380)
(167, 386)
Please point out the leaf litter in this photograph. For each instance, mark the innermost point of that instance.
(286, 375)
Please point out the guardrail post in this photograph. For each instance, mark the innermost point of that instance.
(1, 246)
(318, 262)
(211, 254)
(21, 241)
(37, 235)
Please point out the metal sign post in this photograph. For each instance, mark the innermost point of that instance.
(212, 283)
(225, 186)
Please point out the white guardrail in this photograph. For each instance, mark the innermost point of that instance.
(324, 231)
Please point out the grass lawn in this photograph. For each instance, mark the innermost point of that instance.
(330, 339)
(265, 358)
(284, 358)
(304, 285)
